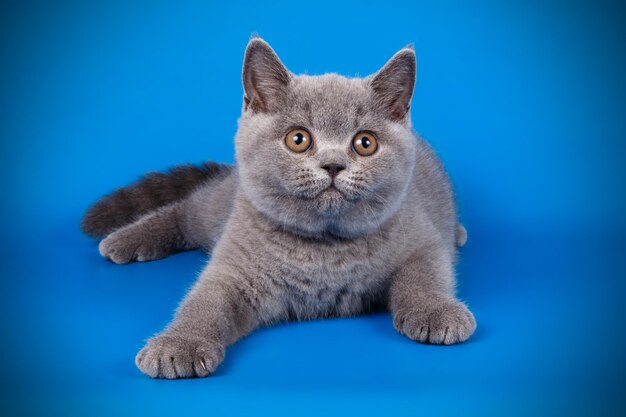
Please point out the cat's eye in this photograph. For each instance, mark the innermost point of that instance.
(298, 140)
(365, 143)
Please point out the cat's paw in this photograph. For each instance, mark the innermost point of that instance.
(172, 357)
(444, 322)
(132, 243)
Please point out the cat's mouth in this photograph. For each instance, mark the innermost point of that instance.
(333, 190)
(346, 194)
(331, 201)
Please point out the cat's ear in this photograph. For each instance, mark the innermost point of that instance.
(393, 84)
(265, 78)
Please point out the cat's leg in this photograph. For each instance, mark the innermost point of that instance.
(423, 303)
(154, 236)
(223, 306)
(196, 222)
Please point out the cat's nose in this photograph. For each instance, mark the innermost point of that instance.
(333, 169)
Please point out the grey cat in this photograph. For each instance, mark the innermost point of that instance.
(335, 208)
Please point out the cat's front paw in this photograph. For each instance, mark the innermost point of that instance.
(171, 357)
(131, 243)
(443, 322)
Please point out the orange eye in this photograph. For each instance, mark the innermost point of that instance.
(365, 143)
(298, 140)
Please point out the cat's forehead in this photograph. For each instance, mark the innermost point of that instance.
(330, 86)
(330, 102)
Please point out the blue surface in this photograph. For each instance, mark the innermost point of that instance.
(525, 102)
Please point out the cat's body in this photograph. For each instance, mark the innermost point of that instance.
(303, 234)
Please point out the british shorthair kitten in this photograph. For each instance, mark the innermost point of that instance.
(335, 207)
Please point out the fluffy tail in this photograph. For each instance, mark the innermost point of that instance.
(153, 190)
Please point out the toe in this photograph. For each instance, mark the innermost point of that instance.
(183, 366)
(200, 367)
(148, 363)
(166, 367)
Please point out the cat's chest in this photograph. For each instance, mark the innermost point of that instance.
(314, 277)
(329, 263)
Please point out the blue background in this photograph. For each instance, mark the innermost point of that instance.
(524, 101)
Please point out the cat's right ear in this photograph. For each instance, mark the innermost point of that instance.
(265, 78)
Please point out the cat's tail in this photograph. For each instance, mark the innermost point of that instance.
(153, 190)
(461, 235)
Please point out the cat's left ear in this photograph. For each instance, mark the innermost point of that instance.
(393, 84)
(265, 78)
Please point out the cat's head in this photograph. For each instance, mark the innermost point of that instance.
(325, 154)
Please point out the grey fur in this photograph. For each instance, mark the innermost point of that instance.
(153, 190)
(284, 245)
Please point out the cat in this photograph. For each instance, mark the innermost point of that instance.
(335, 207)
